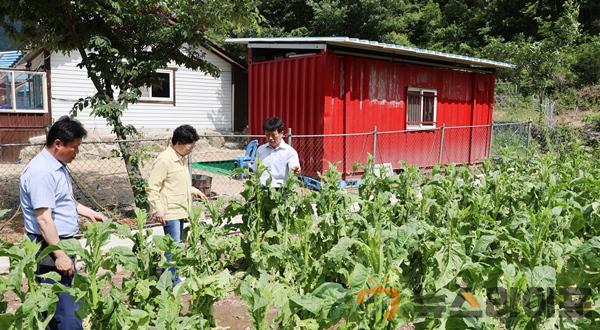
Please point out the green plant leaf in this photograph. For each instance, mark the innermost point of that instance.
(541, 277)
(309, 302)
(450, 261)
(51, 275)
(358, 278)
(6, 320)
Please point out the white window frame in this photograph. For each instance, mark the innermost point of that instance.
(170, 99)
(421, 125)
(13, 95)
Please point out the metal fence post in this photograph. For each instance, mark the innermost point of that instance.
(491, 140)
(528, 138)
(441, 144)
(290, 136)
(375, 144)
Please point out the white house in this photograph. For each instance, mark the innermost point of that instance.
(186, 96)
(41, 87)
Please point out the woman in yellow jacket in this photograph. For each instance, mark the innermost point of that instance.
(170, 187)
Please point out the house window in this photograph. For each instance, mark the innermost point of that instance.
(421, 108)
(22, 91)
(163, 91)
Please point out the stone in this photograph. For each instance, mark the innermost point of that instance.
(233, 145)
(215, 139)
(37, 139)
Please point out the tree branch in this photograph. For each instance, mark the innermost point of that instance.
(84, 58)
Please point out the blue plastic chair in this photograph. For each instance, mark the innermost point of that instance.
(248, 159)
(311, 183)
(316, 184)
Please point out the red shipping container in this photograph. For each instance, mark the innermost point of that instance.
(333, 86)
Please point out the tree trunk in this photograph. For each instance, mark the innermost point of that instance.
(137, 182)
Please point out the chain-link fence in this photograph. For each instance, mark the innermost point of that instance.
(508, 138)
(423, 148)
(101, 180)
(317, 152)
(510, 104)
(214, 164)
(99, 174)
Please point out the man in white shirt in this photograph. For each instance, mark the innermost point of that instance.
(279, 157)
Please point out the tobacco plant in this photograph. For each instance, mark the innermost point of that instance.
(38, 300)
(103, 310)
(512, 243)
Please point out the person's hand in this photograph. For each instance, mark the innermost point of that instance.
(200, 195)
(89, 213)
(296, 169)
(160, 217)
(98, 216)
(64, 264)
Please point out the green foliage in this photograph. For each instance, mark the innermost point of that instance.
(512, 225)
(366, 259)
(553, 44)
(588, 98)
(38, 298)
(445, 25)
(587, 62)
(122, 44)
(5, 42)
(511, 106)
(593, 119)
(542, 65)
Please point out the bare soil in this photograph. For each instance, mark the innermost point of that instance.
(103, 184)
(573, 118)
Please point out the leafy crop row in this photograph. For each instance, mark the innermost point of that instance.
(457, 248)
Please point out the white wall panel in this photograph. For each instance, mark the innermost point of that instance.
(200, 100)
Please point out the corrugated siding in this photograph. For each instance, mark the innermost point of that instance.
(376, 96)
(7, 59)
(333, 115)
(483, 105)
(292, 89)
(329, 94)
(201, 100)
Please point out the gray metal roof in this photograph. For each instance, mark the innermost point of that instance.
(378, 47)
(8, 59)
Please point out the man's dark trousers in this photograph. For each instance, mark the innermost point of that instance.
(64, 317)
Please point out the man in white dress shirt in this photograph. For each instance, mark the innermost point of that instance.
(279, 157)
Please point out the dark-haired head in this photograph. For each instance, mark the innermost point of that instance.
(184, 134)
(273, 124)
(66, 130)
